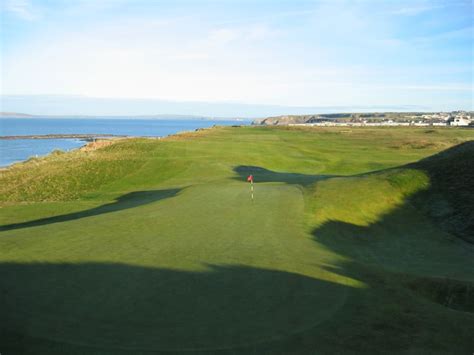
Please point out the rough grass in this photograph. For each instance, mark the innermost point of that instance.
(154, 246)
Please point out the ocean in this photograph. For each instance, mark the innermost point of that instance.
(16, 150)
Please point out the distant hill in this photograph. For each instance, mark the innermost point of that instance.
(286, 119)
(15, 115)
(157, 116)
(299, 119)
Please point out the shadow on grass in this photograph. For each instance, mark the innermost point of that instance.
(449, 201)
(130, 200)
(57, 308)
(407, 240)
(264, 175)
(419, 282)
(412, 253)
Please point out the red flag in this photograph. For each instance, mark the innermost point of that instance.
(250, 178)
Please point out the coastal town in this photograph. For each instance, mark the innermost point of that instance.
(441, 119)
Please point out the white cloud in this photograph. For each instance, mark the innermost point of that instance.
(466, 32)
(225, 35)
(415, 10)
(21, 8)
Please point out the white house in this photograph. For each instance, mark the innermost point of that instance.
(460, 121)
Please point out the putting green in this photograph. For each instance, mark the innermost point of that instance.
(206, 251)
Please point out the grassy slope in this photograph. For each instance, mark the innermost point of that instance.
(154, 246)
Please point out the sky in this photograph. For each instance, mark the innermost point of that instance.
(242, 58)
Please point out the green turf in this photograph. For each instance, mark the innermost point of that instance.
(150, 246)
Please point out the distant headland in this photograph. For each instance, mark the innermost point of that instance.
(157, 116)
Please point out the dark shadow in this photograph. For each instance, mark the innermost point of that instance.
(449, 201)
(130, 200)
(264, 175)
(400, 241)
(420, 282)
(419, 285)
(402, 238)
(99, 308)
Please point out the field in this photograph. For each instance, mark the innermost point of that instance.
(357, 241)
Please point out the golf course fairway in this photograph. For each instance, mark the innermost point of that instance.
(357, 241)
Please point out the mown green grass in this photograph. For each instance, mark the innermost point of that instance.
(150, 246)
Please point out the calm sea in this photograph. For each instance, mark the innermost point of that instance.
(12, 151)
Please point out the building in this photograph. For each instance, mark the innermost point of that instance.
(460, 121)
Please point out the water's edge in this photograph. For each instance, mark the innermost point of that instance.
(23, 139)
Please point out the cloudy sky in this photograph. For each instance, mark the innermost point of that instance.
(394, 54)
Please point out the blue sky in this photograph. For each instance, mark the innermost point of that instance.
(316, 54)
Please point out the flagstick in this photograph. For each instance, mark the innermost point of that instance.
(251, 188)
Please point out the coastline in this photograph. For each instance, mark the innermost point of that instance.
(87, 146)
(23, 139)
(91, 142)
